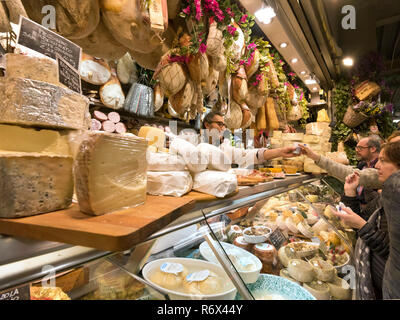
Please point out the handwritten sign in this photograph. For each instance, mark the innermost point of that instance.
(277, 238)
(68, 75)
(36, 37)
(20, 293)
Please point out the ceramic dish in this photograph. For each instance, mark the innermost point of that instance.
(271, 287)
(249, 276)
(228, 292)
(262, 235)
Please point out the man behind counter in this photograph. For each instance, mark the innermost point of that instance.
(217, 134)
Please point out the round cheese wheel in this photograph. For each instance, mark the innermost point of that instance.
(305, 229)
(170, 281)
(241, 243)
(340, 289)
(291, 225)
(196, 160)
(211, 285)
(320, 226)
(285, 274)
(164, 162)
(285, 254)
(301, 270)
(264, 252)
(324, 271)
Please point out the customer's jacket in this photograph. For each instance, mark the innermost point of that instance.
(368, 177)
(391, 204)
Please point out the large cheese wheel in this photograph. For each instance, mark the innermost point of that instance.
(110, 172)
(301, 270)
(41, 104)
(23, 66)
(33, 183)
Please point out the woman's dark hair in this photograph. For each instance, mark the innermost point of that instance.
(210, 116)
(392, 152)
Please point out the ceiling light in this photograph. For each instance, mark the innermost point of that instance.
(303, 73)
(265, 14)
(315, 88)
(310, 81)
(283, 45)
(294, 60)
(348, 62)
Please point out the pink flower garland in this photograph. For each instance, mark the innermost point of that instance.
(258, 79)
(231, 30)
(212, 5)
(199, 12)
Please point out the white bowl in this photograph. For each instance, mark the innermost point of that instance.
(190, 264)
(247, 276)
(257, 239)
(302, 254)
(344, 264)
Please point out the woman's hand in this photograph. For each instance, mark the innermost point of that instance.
(308, 152)
(288, 152)
(350, 218)
(352, 181)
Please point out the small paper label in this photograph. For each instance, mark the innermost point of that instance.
(198, 276)
(264, 246)
(174, 268)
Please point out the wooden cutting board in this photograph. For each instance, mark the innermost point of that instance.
(117, 231)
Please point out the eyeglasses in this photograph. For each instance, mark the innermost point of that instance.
(362, 147)
(219, 123)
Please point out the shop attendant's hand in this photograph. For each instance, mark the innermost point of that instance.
(350, 218)
(288, 152)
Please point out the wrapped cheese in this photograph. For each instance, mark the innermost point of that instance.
(323, 116)
(195, 159)
(217, 159)
(110, 172)
(292, 136)
(171, 183)
(311, 138)
(216, 183)
(162, 161)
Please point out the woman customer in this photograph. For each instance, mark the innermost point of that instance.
(388, 167)
(372, 247)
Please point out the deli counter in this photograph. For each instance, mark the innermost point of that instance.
(275, 240)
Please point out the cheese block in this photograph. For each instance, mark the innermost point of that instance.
(172, 183)
(293, 136)
(154, 136)
(277, 134)
(41, 104)
(196, 160)
(110, 172)
(311, 138)
(162, 161)
(319, 128)
(33, 183)
(24, 66)
(23, 139)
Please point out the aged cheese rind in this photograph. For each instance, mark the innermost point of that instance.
(34, 68)
(32, 183)
(110, 172)
(41, 104)
(23, 139)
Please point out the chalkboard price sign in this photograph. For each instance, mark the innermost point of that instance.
(20, 293)
(68, 76)
(277, 238)
(40, 39)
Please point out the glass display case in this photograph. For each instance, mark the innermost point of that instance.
(276, 240)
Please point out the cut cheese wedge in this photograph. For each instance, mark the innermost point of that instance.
(110, 172)
(41, 104)
(318, 289)
(301, 270)
(154, 136)
(33, 183)
(23, 139)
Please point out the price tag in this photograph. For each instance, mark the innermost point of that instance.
(277, 238)
(40, 39)
(19, 293)
(68, 76)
